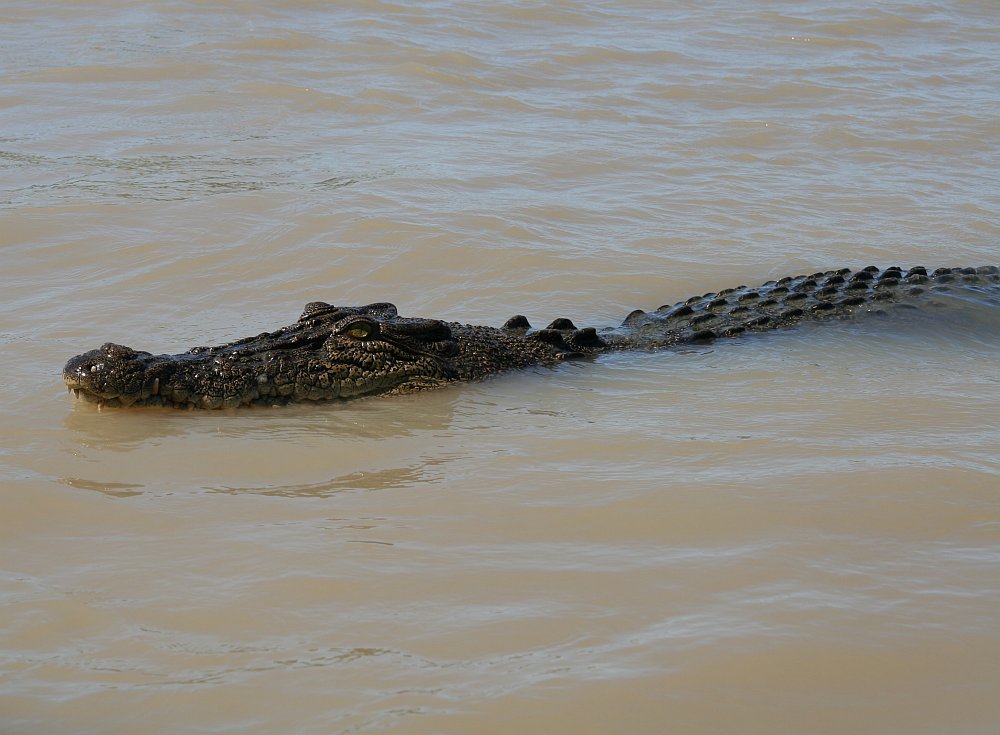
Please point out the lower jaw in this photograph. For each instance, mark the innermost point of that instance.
(202, 404)
(208, 402)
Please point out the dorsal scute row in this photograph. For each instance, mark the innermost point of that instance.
(788, 300)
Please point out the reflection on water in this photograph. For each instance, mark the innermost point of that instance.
(401, 477)
(111, 489)
(361, 420)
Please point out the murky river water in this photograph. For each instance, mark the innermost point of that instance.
(790, 533)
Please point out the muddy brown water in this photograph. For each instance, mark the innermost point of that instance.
(794, 533)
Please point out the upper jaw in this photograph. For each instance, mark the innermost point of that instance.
(111, 375)
(116, 376)
(81, 376)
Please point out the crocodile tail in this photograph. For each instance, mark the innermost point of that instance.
(788, 301)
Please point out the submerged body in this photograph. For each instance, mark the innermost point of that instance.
(336, 352)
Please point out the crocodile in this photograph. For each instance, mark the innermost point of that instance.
(341, 352)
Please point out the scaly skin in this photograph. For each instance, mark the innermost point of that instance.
(345, 352)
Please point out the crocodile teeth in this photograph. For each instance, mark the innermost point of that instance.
(156, 386)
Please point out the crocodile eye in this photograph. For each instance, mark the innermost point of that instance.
(360, 329)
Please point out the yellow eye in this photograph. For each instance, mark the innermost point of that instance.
(358, 328)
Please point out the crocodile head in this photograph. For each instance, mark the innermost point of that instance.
(331, 352)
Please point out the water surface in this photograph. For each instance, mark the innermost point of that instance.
(798, 532)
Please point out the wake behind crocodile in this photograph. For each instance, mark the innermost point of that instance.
(341, 352)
